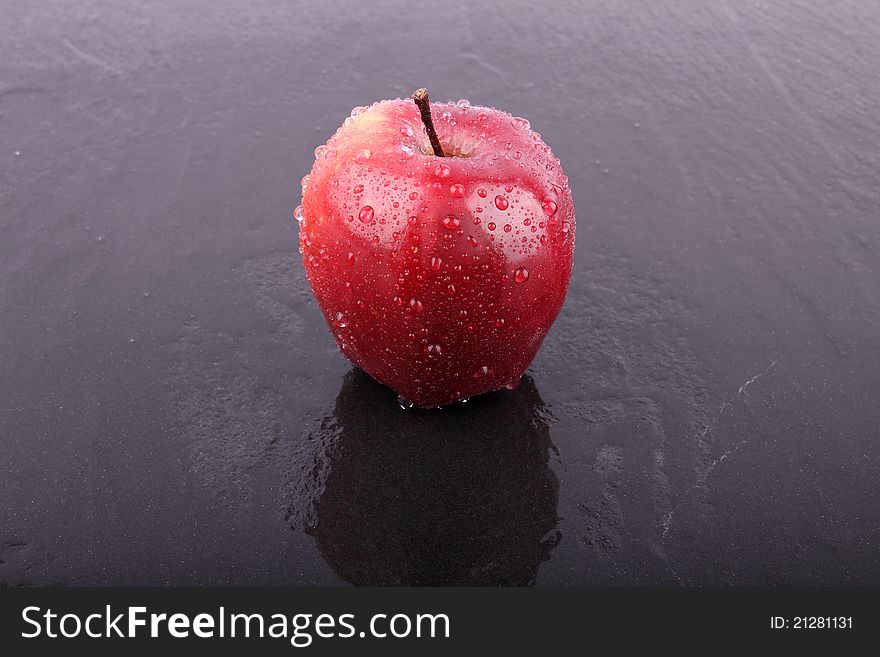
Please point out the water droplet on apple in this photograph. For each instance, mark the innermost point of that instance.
(304, 183)
(481, 372)
(451, 222)
(520, 124)
(413, 196)
(341, 322)
(491, 225)
(358, 189)
(403, 403)
(366, 214)
(481, 192)
(450, 289)
(501, 202)
(363, 156)
(521, 275)
(463, 104)
(298, 214)
(357, 111)
(442, 171)
(549, 205)
(457, 190)
(435, 263)
(471, 240)
(416, 305)
(433, 349)
(350, 258)
(543, 240)
(499, 322)
(507, 228)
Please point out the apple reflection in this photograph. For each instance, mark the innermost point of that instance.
(461, 496)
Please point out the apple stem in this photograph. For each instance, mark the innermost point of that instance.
(420, 97)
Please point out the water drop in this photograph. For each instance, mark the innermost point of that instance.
(481, 192)
(366, 214)
(341, 322)
(450, 289)
(350, 258)
(363, 156)
(435, 263)
(543, 240)
(433, 349)
(507, 228)
(413, 196)
(412, 221)
(491, 225)
(403, 403)
(480, 373)
(442, 171)
(416, 305)
(471, 240)
(358, 189)
(501, 202)
(521, 275)
(457, 190)
(549, 205)
(298, 214)
(463, 104)
(451, 222)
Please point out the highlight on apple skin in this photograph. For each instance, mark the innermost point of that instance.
(439, 276)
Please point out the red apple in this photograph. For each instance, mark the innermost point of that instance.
(438, 276)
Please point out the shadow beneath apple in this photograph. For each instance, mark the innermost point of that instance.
(459, 496)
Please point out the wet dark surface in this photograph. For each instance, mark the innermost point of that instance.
(705, 410)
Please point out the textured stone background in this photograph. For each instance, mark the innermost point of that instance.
(705, 411)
